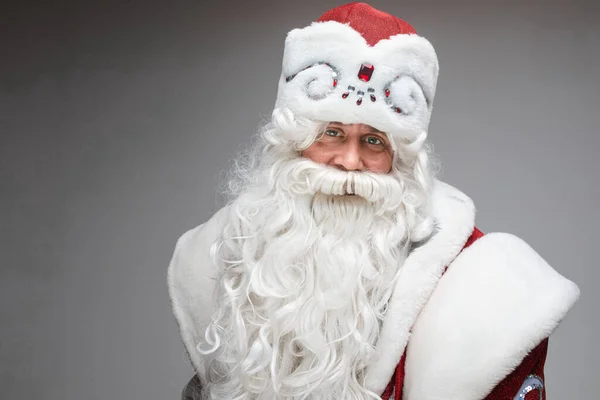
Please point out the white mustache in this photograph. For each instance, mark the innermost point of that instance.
(303, 176)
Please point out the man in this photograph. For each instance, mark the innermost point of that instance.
(342, 269)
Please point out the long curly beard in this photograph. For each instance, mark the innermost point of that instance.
(307, 263)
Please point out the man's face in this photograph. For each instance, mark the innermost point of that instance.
(352, 147)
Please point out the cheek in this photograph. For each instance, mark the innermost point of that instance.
(381, 163)
(316, 153)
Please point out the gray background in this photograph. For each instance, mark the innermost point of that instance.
(117, 119)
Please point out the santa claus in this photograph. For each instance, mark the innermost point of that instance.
(341, 268)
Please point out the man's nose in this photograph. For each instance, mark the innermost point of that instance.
(349, 158)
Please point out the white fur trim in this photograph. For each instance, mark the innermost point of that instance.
(406, 64)
(454, 213)
(191, 278)
(498, 300)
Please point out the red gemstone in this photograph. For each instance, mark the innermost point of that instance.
(365, 72)
(398, 110)
(373, 98)
(359, 101)
(345, 95)
(387, 92)
(334, 82)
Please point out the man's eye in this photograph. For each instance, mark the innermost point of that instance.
(331, 135)
(374, 140)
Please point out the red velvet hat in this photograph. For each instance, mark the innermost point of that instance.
(372, 24)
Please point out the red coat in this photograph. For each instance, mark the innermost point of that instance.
(510, 387)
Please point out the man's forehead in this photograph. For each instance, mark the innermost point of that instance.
(364, 127)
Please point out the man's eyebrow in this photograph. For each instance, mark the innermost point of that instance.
(375, 130)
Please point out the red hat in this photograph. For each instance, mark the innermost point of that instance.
(372, 24)
(357, 64)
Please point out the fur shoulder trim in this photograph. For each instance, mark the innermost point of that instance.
(191, 278)
(498, 300)
(454, 214)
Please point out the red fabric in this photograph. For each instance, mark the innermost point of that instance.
(474, 236)
(400, 370)
(532, 364)
(397, 381)
(508, 388)
(389, 390)
(372, 24)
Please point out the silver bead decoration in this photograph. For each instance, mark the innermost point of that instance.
(531, 383)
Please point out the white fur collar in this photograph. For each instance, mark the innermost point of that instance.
(454, 215)
(191, 278)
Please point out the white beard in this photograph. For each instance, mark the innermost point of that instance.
(306, 272)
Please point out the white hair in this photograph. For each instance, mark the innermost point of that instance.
(306, 271)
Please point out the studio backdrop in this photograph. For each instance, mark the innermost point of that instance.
(118, 120)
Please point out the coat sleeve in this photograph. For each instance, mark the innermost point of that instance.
(531, 370)
(481, 330)
(532, 365)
